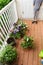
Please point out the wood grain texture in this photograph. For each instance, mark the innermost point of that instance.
(31, 57)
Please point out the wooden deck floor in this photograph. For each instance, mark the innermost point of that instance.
(31, 57)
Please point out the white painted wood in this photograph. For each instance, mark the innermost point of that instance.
(10, 12)
(3, 26)
(3, 31)
(25, 9)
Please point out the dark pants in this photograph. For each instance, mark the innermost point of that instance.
(36, 12)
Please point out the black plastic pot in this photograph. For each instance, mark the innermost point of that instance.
(11, 41)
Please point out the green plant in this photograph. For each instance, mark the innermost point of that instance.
(8, 54)
(16, 35)
(3, 3)
(27, 42)
(0, 43)
(41, 54)
(19, 30)
(23, 29)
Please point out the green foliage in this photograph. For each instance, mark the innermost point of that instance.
(41, 54)
(3, 3)
(0, 43)
(8, 54)
(28, 38)
(16, 36)
(19, 30)
(19, 21)
(27, 42)
(12, 35)
(23, 29)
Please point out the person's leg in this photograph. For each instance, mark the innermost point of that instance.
(37, 6)
(35, 16)
(36, 12)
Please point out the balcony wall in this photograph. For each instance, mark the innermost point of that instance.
(25, 9)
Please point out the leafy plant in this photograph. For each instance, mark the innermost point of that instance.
(19, 30)
(22, 29)
(15, 35)
(4, 3)
(0, 43)
(41, 54)
(8, 54)
(27, 42)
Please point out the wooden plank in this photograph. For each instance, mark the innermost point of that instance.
(31, 57)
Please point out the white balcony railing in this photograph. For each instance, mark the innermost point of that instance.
(8, 16)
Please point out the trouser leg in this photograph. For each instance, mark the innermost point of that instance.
(35, 16)
(36, 13)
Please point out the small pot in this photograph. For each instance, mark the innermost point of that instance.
(41, 61)
(11, 41)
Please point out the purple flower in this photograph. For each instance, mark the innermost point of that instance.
(15, 31)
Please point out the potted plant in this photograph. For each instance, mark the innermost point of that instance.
(27, 42)
(41, 56)
(8, 55)
(19, 30)
(11, 41)
(15, 35)
(22, 29)
(3, 3)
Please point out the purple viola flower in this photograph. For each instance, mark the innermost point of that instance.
(19, 26)
(15, 31)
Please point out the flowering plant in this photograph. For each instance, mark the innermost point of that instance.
(19, 30)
